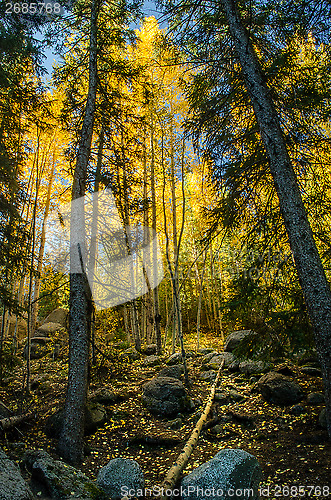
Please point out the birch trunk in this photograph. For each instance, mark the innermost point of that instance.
(315, 287)
(157, 317)
(36, 292)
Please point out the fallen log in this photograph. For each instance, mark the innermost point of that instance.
(9, 422)
(175, 471)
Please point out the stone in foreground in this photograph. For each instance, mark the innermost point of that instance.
(63, 481)
(232, 473)
(12, 484)
(165, 396)
(120, 476)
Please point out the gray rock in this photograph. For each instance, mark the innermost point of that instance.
(40, 347)
(216, 361)
(12, 484)
(235, 338)
(95, 417)
(208, 376)
(175, 371)
(59, 315)
(230, 470)
(278, 389)
(322, 419)
(104, 395)
(149, 349)
(209, 356)
(175, 359)
(152, 360)
(165, 396)
(120, 476)
(47, 329)
(311, 370)
(130, 354)
(61, 480)
(315, 398)
(249, 366)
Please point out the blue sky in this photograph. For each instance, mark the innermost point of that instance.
(149, 9)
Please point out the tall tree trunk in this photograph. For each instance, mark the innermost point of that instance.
(93, 244)
(316, 289)
(70, 444)
(200, 297)
(148, 298)
(174, 233)
(36, 292)
(157, 316)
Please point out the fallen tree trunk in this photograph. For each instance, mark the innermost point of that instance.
(9, 422)
(174, 472)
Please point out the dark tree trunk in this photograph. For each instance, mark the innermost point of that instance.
(310, 270)
(70, 444)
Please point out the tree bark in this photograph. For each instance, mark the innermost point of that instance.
(157, 316)
(36, 292)
(70, 444)
(315, 287)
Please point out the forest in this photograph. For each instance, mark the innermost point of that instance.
(165, 249)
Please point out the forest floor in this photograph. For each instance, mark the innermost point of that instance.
(293, 450)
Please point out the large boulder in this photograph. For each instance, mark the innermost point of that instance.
(175, 371)
(165, 396)
(40, 347)
(12, 484)
(59, 316)
(63, 481)
(235, 338)
(279, 389)
(47, 329)
(121, 477)
(95, 417)
(230, 474)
